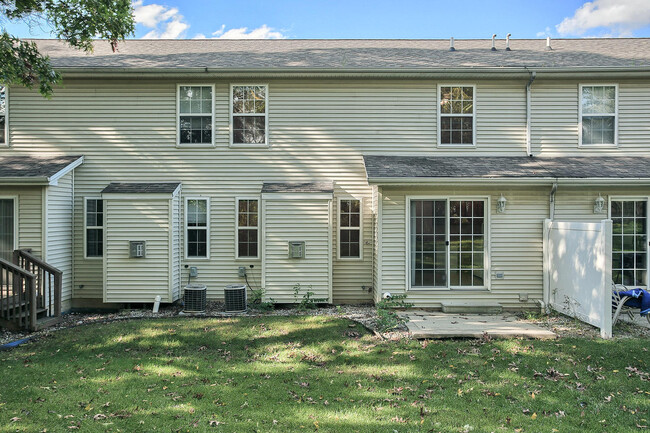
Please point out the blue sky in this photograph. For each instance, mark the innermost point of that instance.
(383, 19)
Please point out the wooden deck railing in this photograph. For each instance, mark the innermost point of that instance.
(48, 282)
(18, 297)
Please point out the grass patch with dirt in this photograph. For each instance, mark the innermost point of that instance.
(316, 373)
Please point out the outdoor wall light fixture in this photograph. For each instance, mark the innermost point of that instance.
(501, 204)
(599, 204)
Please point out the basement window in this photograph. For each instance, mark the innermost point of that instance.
(598, 115)
(94, 222)
(249, 114)
(247, 228)
(350, 229)
(456, 115)
(196, 228)
(195, 115)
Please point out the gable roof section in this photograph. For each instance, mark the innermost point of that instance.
(351, 54)
(27, 169)
(414, 169)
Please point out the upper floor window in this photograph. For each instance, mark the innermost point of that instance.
(456, 115)
(3, 114)
(195, 114)
(94, 227)
(249, 114)
(196, 228)
(598, 113)
(350, 229)
(247, 228)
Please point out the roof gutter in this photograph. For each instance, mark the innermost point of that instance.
(298, 72)
(426, 181)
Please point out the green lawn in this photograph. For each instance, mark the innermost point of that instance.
(314, 373)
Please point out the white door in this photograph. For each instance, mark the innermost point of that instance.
(630, 241)
(7, 228)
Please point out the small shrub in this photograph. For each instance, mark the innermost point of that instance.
(387, 319)
(256, 300)
(307, 302)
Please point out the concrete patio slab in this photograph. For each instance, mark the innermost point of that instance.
(427, 324)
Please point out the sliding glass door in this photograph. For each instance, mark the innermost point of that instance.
(7, 228)
(447, 243)
(630, 242)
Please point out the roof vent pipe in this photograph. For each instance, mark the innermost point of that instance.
(508, 41)
(494, 48)
(548, 43)
(451, 44)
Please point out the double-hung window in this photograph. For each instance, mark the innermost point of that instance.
(196, 228)
(598, 115)
(195, 114)
(247, 228)
(447, 243)
(3, 114)
(349, 229)
(249, 114)
(456, 115)
(94, 218)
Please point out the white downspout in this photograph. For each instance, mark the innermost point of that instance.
(529, 150)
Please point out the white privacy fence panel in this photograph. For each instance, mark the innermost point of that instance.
(578, 271)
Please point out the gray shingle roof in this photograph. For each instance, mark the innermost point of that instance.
(141, 188)
(353, 54)
(391, 167)
(318, 187)
(23, 167)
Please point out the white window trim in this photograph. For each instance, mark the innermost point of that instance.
(591, 146)
(259, 219)
(612, 198)
(338, 233)
(178, 115)
(103, 227)
(266, 116)
(6, 143)
(473, 115)
(207, 227)
(16, 221)
(486, 243)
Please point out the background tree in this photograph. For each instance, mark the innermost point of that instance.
(77, 22)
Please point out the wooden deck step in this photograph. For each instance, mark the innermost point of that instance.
(458, 307)
(47, 322)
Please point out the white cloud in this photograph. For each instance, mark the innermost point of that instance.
(164, 22)
(263, 32)
(620, 17)
(545, 33)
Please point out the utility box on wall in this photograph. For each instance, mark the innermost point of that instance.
(137, 249)
(296, 249)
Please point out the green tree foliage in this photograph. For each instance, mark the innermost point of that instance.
(78, 22)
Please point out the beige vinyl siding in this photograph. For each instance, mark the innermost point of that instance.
(555, 118)
(30, 216)
(129, 279)
(318, 130)
(59, 232)
(515, 246)
(175, 248)
(310, 222)
(577, 203)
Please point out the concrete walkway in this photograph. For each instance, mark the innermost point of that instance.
(427, 324)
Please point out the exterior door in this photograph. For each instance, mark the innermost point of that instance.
(630, 242)
(447, 243)
(7, 228)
